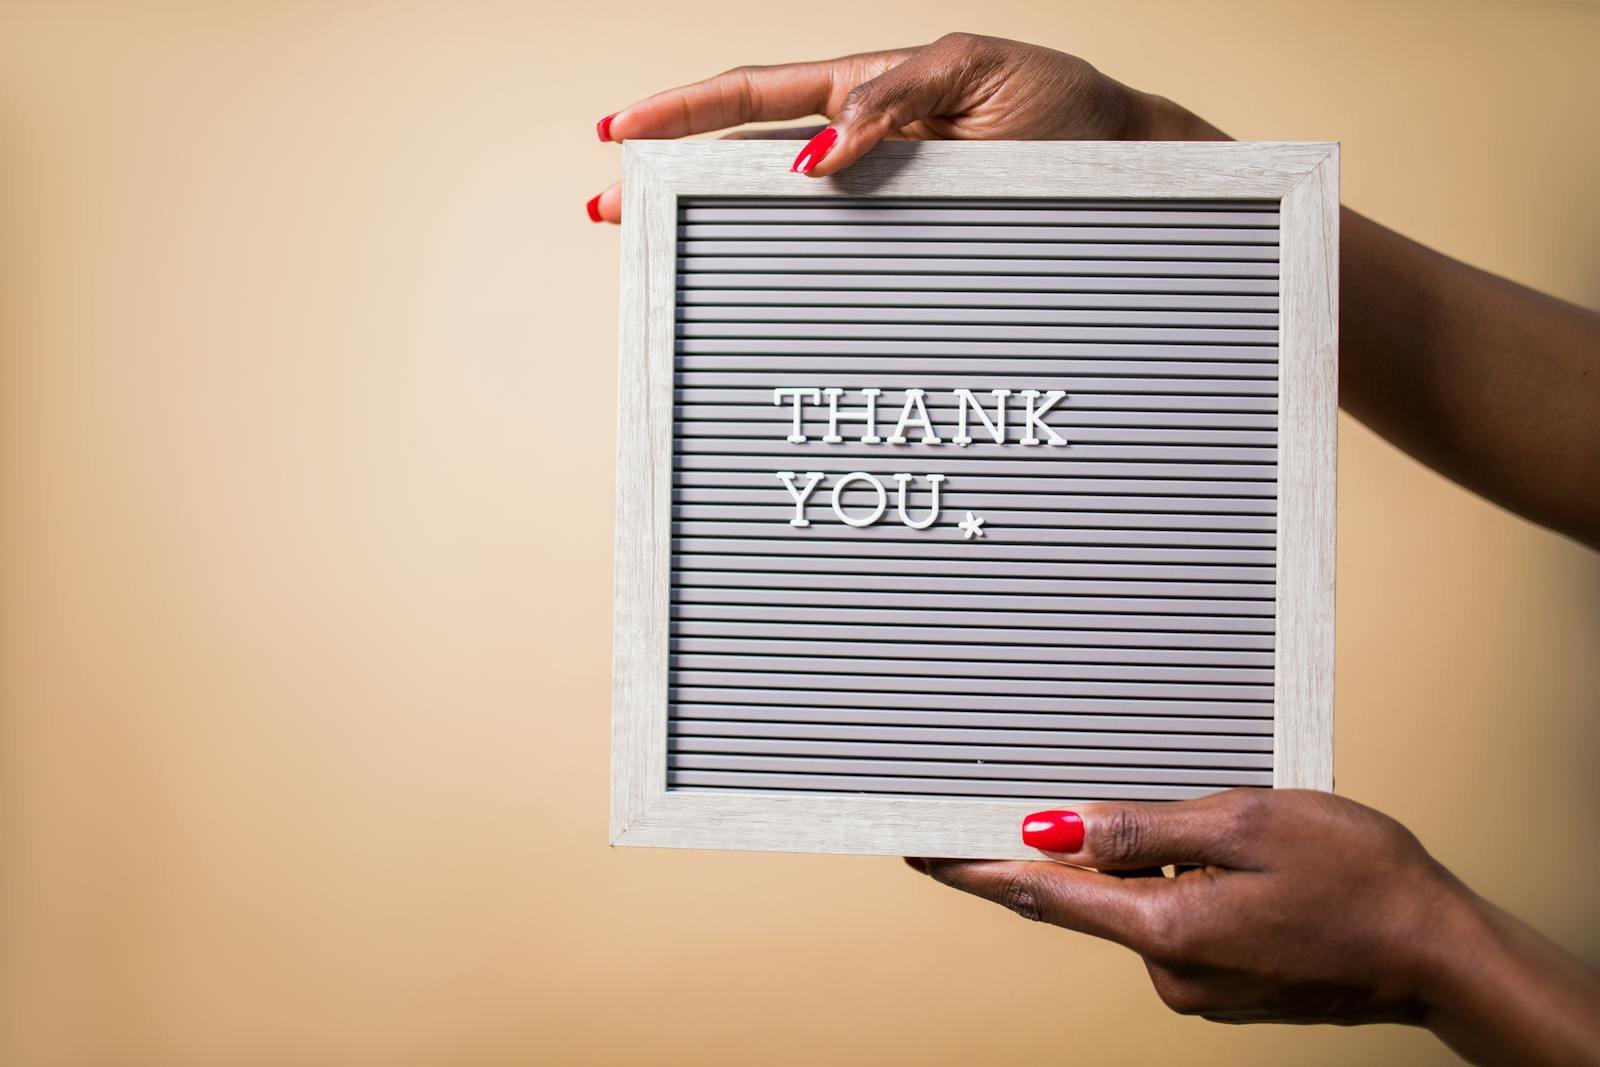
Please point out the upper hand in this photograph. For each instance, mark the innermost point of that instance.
(961, 86)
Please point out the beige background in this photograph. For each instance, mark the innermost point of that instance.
(306, 371)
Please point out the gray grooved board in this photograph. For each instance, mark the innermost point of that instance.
(1110, 635)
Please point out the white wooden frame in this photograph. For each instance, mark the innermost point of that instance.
(1302, 176)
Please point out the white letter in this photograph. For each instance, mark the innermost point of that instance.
(1036, 418)
(877, 513)
(913, 400)
(870, 417)
(800, 495)
(933, 515)
(797, 437)
(997, 429)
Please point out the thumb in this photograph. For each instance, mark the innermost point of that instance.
(1121, 837)
(922, 86)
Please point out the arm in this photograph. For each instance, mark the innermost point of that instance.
(1299, 907)
(1492, 384)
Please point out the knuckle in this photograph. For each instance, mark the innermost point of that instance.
(749, 90)
(1122, 834)
(960, 40)
(1022, 892)
(1249, 813)
(857, 100)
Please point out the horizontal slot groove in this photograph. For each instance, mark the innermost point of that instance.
(757, 334)
(1101, 760)
(711, 782)
(1217, 489)
(1072, 433)
(957, 261)
(765, 203)
(1003, 771)
(954, 653)
(802, 683)
(867, 553)
(1023, 570)
(944, 315)
(922, 465)
(999, 522)
(935, 635)
(1180, 353)
(1123, 233)
(1231, 708)
(1097, 387)
(815, 419)
(959, 492)
(891, 281)
(1179, 592)
(973, 600)
(968, 618)
(767, 447)
(1017, 544)
(912, 784)
(968, 735)
(871, 222)
(755, 389)
(952, 302)
(784, 665)
(1054, 246)
(735, 573)
(805, 716)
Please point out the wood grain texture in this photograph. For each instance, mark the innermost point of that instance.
(644, 497)
(1302, 176)
(1308, 395)
(1004, 169)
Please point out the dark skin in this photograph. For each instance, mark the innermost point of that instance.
(1287, 906)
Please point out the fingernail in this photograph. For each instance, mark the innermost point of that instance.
(1053, 831)
(603, 127)
(594, 208)
(815, 149)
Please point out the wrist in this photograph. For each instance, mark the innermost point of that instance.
(1454, 954)
(1148, 117)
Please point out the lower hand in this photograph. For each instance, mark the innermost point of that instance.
(1302, 907)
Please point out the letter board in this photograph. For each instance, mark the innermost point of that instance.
(978, 479)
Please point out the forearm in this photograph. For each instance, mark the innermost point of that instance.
(1488, 382)
(1491, 383)
(1502, 994)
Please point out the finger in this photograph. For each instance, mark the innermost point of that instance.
(747, 94)
(1087, 901)
(606, 206)
(916, 864)
(936, 80)
(1208, 831)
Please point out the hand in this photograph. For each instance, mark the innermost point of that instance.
(961, 86)
(1302, 907)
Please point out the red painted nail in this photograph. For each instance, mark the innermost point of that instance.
(594, 208)
(815, 149)
(1053, 831)
(603, 127)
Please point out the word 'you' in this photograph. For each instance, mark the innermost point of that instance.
(913, 425)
